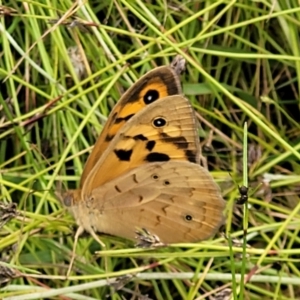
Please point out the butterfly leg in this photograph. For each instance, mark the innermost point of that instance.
(79, 231)
(94, 235)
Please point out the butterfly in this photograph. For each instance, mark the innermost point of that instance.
(144, 170)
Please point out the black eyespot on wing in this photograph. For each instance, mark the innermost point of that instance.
(120, 120)
(140, 137)
(123, 155)
(155, 176)
(150, 145)
(156, 157)
(151, 96)
(188, 218)
(166, 182)
(159, 122)
(162, 77)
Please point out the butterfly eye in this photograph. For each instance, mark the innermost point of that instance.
(151, 96)
(68, 200)
(188, 218)
(159, 122)
(155, 177)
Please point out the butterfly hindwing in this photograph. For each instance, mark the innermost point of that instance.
(176, 200)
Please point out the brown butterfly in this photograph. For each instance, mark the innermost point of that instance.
(144, 170)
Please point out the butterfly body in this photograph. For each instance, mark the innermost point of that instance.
(144, 171)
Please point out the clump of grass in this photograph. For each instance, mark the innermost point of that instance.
(59, 81)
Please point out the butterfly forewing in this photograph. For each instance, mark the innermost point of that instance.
(153, 86)
(163, 131)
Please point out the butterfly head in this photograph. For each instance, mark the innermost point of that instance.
(69, 198)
